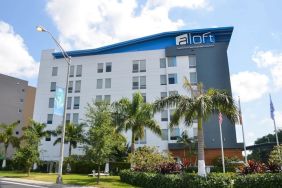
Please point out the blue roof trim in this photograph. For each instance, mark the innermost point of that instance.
(151, 42)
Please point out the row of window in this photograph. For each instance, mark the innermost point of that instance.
(174, 135)
(137, 66)
(75, 118)
(71, 71)
(100, 67)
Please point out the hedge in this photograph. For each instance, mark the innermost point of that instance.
(192, 180)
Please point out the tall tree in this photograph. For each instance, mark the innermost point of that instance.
(7, 138)
(102, 138)
(74, 134)
(39, 129)
(135, 115)
(200, 105)
(28, 153)
(189, 143)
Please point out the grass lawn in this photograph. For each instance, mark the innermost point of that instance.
(75, 179)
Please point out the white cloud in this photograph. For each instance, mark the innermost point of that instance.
(249, 85)
(273, 61)
(88, 23)
(14, 57)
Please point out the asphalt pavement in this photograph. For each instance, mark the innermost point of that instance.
(22, 183)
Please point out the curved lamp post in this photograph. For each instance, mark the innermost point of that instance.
(68, 61)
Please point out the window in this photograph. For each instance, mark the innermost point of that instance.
(172, 78)
(108, 83)
(162, 63)
(163, 79)
(54, 71)
(171, 61)
(171, 113)
(78, 70)
(174, 133)
(69, 103)
(139, 63)
(77, 86)
(142, 82)
(17, 132)
(68, 116)
(75, 118)
(70, 87)
(193, 77)
(142, 65)
(107, 99)
(135, 66)
(164, 134)
(21, 100)
(53, 86)
(51, 102)
(98, 98)
(192, 61)
(164, 115)
(71, 71)
(163, 95)
(109, 67)
(49, 118)
(144, 96)
(76, 102)
(99, 83)
(19, 110)
(100, 67)
(135, 82)
(171, 93)
(48, 138)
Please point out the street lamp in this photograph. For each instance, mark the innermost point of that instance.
(68, 61)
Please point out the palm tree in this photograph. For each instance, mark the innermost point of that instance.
(200, 106)
(135, 115)
(7, 137)
(188, 142)
(74, 134)
(37, 128)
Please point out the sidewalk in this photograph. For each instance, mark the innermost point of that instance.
(42, 183)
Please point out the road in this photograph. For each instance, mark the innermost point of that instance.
(13, 184)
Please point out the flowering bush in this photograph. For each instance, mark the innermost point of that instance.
(148, 159)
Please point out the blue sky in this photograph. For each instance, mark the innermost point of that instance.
(255, 51)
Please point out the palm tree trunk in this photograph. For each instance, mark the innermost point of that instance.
(132, 142)
(70, 149)
(5, 156)
(201, 150)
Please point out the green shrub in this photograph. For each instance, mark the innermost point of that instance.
(259, 180)
(153, 180)
(192, 180)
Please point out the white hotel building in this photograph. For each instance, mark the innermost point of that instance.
(154, 65)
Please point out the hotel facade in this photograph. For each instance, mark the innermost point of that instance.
(153, 65)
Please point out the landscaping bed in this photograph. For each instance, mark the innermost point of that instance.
(191, 180)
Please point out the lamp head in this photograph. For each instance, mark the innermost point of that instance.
(40, 29)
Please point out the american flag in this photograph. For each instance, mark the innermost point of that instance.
(271, 108)
(220, 118)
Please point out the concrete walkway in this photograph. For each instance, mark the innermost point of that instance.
(41, 183)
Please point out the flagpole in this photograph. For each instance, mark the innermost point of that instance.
(243, 132)
(273, 118)
(221, 142)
